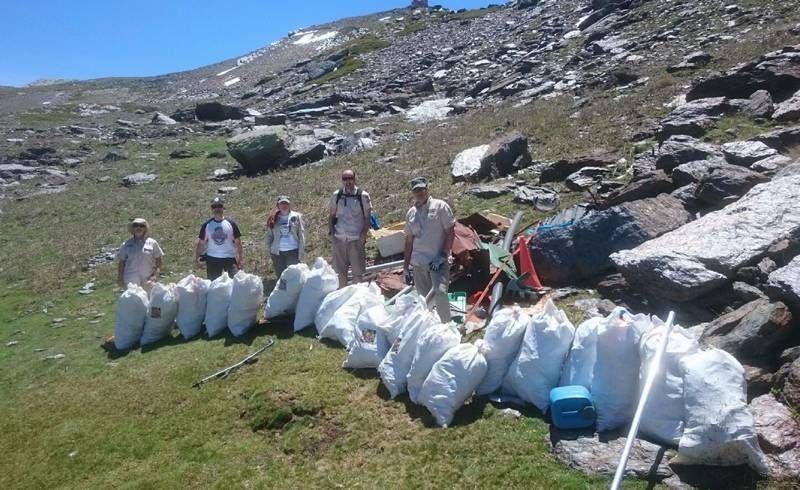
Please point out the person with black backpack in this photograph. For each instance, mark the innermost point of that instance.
(349, 221)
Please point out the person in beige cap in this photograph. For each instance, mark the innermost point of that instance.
(430, 230)
(139, 257)
(286, 236)
(349, 221)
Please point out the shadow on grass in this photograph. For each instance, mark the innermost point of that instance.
(365, 373)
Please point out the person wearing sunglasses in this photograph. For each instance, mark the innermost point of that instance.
(139, 257)
(285, 236)
(221, 240)
(349, 221)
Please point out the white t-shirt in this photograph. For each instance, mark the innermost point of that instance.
(140, 259)
(220, 235)
(287, 240)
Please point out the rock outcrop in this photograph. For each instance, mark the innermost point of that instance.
(705, 254)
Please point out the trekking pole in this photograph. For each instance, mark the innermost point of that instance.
(652, 372)
(403, 291)
(225, 372)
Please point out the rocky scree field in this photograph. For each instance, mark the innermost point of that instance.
(658, 114)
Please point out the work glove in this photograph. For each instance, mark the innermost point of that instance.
(437, 264)
(409, 278)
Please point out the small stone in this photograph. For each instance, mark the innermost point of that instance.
(54, 357)
(12, 343)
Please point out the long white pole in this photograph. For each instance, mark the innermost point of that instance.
(652, 372)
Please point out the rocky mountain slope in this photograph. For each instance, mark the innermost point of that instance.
(664, 135)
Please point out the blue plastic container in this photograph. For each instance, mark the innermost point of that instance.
(571, 407)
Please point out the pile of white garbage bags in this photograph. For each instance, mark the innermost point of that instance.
(698, 401)
(225, 303)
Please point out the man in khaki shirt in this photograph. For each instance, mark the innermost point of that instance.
(430, 230)
(349, 221)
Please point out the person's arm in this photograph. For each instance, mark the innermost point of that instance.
(301, 238)
(120, 273)
(200, 244)
(367, 203)
(450, 235)
(449, 225)
(239, 252)
(409, 247)
(332, 217)
(156, 271)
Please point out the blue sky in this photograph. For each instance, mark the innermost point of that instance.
(97, 38)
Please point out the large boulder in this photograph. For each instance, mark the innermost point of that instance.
(683, 149)
(215, 111)
(746, 153)
(161, 119)
(693, 118)
(777, 72)
(705, 254)
(137, 179)
(784, 284)
(788, 383)
(779, 437)
(264, 148)
(759, 104)
(305, 149)
(467, 164)
(693, 172)
(506, 154)
(566, 255)
(724, 183)
(650, 186)
(757, 332)
(788, 110)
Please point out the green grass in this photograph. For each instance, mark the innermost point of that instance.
(736, 127)
(349, 65)
(366, 44)
(471, 14)
(413, 27)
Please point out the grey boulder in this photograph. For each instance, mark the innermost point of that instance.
(467, 164)
(705, 254)
(759, 104)
(137, 179)
(784, 283)
(725, 183)
(788, 110)
(162, 119)
(264, 148)
(779, 437)
(746, 153)
(682, 149)
(693, 118)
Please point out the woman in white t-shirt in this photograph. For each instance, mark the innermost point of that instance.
(285, 236)
(139, 257)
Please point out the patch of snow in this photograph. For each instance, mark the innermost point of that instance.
(312, 37)
(225, 72)
(385, 19)
(232, 81)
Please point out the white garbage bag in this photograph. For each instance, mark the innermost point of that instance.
(537, 368)
(398, 312)
(579, 368)
(246, 296)
(615, 381)
(393, 369)
(219, 297)
(452, 381)
(131, 314)
(369, 345)
(501, 344)
(331, 304)
(161, 313)
(719, 427)
(320, 281)
(192, 296)
(431, 346)
(662, 418)
(283, 298)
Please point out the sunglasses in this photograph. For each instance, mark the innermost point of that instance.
(348, 178)
(138, 226)
(216, 206)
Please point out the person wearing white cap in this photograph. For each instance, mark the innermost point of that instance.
(285, 236)
(430, 231)
(221, 240)
(139, 257)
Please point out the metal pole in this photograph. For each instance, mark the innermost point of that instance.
(652, 372)
(497, 290)
(402, 292)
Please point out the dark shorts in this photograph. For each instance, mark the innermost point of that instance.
(215, 266)
(285, 259)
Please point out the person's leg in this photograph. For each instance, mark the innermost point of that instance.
(358, 260)
(422, 280)
(441, 281)
(291, 257)
(278, 263)
(229, 266)
(213, 268)
(340, 261)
